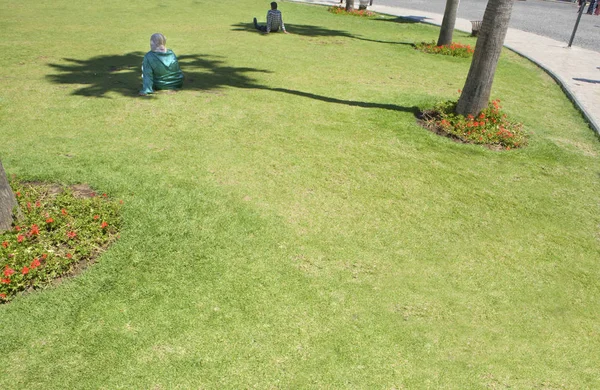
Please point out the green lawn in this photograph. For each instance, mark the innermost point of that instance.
(287, 223)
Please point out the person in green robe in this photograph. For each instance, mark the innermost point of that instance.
(160, 69)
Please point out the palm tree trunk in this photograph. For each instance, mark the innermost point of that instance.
(349, 5)
(478, 87)
(448, 22)
(8, 202)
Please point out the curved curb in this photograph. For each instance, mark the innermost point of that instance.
(563, 85)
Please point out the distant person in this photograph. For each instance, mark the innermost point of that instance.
(590, 10)
(274, 21)
(160, 69)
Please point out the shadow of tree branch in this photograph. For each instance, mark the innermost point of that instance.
(101, 75)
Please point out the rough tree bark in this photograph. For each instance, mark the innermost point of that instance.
(8, 202)
(349, 5)
(448, 23)
(476, 92)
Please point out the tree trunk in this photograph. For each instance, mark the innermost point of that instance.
(478, 87)
(448, 22)
(8, 202)
(349, 5)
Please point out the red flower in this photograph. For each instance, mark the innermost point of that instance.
(5, 281)
(8, 271)
(49, 220)
(44, 256)
(35, 263)
(104, 225)
(96, 216)
(25, 270)
(28, 205)
(93, 194)
(71, 234)
(5, 244)
(69, 256)
(121, 201)
(20, 238)
(38, 204)
(18, 194)
(64, 212)
(2, 295)
(18, 228)
(35, 230)
(104, 195)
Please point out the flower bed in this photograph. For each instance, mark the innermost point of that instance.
(339, 10)
(454, 49)
(60, 229)
(491, 127)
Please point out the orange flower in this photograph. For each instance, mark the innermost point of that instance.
(35, 263)
(8, 271)
(25, 270)
(104, 225)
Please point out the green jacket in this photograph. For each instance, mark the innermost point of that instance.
(161, 71)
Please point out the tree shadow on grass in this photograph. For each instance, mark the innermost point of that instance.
(404, 19)
(353, 103)
(101, 75)
(314, 31)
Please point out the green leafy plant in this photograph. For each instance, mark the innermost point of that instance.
(491, 127)
(454, 49)
(354, 12)
(60, 228)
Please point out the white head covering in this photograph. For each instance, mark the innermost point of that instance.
(158, 42)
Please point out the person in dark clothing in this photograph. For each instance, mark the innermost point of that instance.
(590, 10)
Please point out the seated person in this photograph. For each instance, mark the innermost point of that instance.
(274, 21)
(160, 69)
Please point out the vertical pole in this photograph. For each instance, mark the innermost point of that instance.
(583, 3)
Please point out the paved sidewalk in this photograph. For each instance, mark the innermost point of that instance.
(577, 70)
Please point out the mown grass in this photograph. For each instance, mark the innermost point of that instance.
(286, 222)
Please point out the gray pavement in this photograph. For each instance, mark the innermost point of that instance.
(552, 19)
(576, 69)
